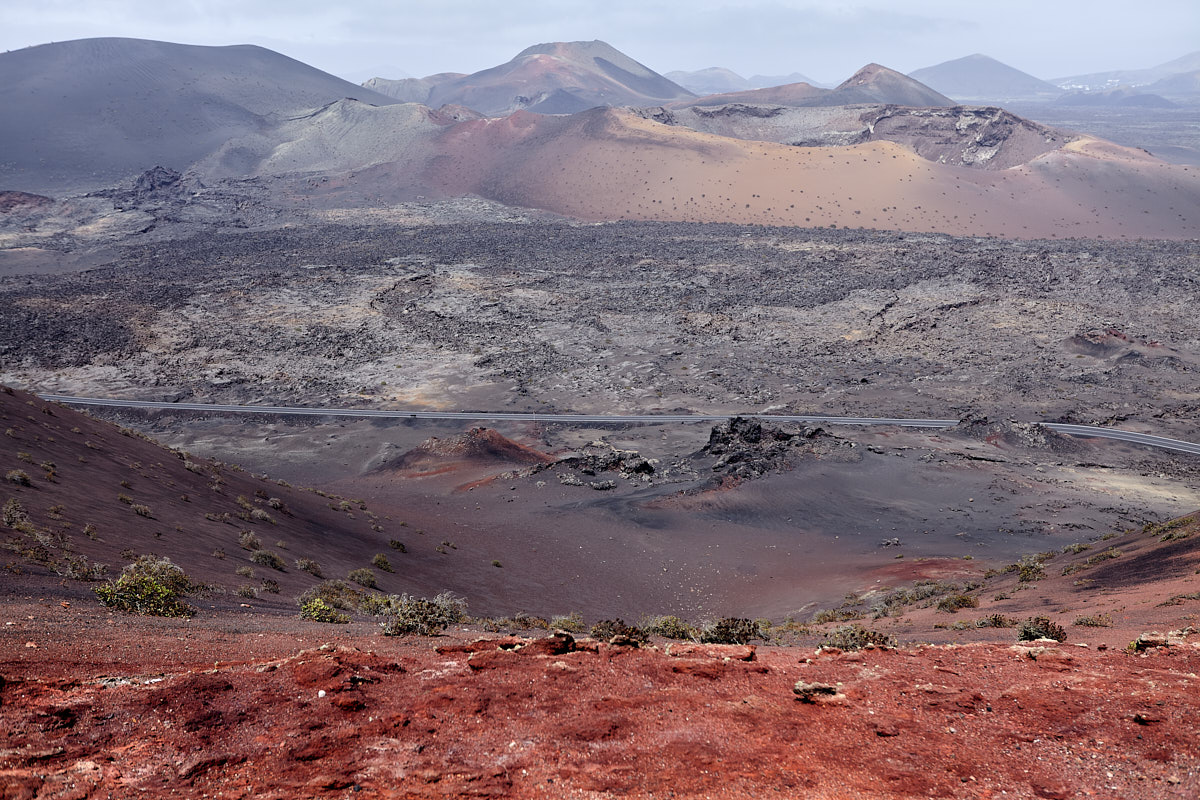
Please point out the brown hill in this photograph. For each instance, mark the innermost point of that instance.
(878, 84)
(613, 164)
(559, 78)
(87, 492)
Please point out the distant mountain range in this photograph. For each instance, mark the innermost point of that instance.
(879, 150)
(1099, 81)
(979, 78)
(718, 80)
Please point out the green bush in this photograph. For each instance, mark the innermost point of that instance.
(1030, 569)
(363, 577)
(606, 629)
(396, 544)
(309, 566)
(1095, 621)
(337, 594)
(856, 637)
(318, 610)
(731, 630)
(407, 615)
(266, 558)
(150, 585)
(670, 627)
(381, 561)
(249, 541)
(955, 602)
(573, 623)
(1040, 628)
(18, 476)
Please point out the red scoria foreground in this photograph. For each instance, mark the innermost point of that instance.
(103, 706)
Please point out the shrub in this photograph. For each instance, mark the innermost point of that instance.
(994, 621)
(731, 630)
(955, 602)
(266, 558)
(18, 476)
(249, 541)
(834, 615)
(270, 585)
(606, 629)
(363, 577)
(318, 610)
(78, 568)
(1102, 556)
(259, 515)
(373, 604)
(247, 591)
(416, 615)
(309, 566)
(572, 622)
(381, 561)
(244, 571)
(337, 594)
(150, 585)
(1030, 569)
(14, 513)
(1040, 628)
(856, 637)
(496, 562)
(396, 544)
(141, 510)
(1095, 621)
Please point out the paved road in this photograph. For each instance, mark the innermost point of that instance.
(1090, 431)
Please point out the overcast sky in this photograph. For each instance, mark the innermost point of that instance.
(825, 40)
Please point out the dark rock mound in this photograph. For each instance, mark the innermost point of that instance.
(1010, 434)
(748, 448)
(601, 457)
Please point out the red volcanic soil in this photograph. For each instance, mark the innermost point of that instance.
(101, 706)
(477, 447)
(14, 200)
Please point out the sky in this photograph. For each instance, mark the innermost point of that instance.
(826, 41)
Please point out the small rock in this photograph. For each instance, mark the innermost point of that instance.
(814, 692)
(553, 645)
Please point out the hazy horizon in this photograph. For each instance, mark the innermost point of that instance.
(825, 40)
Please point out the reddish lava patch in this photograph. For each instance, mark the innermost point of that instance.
(510, 717)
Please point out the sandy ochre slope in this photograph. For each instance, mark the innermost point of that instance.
(612, 164)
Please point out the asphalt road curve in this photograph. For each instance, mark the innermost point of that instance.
(1089, 431)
